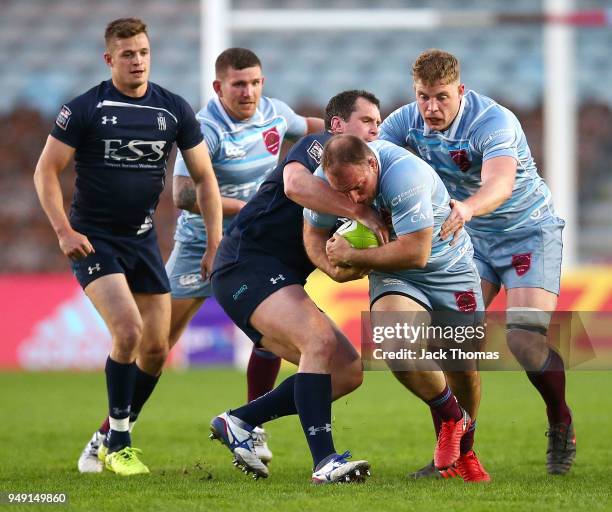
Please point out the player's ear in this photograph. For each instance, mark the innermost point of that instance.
(108, 58)
(461, 90)
(217, 87)
(336, 124)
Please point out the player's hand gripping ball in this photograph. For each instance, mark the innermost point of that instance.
(357, 235)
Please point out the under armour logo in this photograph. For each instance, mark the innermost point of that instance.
(95, 268)
(275, 280)
(312, 431)
(112, 120)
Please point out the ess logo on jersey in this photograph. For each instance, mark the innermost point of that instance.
(133, 150)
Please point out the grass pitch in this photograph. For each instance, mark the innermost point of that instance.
(48, 417)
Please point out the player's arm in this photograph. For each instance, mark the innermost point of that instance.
(409, 251)
(53, 160)
(497, 177)
(184, 197)
(314, 243)
(311, 192)
(208, 198)
(314, 125)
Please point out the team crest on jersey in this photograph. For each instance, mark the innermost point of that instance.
(521, 263)
(63, 118)
(316, 151)
(161, 121)
(460, 157)
(271, 139)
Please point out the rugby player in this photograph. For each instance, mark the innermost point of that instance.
(415, 273)
(120, 134)
(243, 131)
(481, 153)
(259, 278)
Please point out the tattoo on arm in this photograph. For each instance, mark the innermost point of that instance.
(187, 197)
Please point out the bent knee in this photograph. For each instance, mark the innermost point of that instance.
(321, 347)
(128, 334)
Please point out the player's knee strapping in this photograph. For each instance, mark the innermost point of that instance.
(527, 319)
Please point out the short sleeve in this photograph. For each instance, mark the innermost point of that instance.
(407, 190)
(307, 151)
(211, 137)
(189, 133)
(70, 123)
(392, 129)
(316, 219)
(497, 135)
(296, 124)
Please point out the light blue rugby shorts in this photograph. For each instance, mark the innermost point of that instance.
(527, 257)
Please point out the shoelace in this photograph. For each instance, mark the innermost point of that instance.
(446, 431)
(259, 437)
(472, 462)
(558, 436)
(128, 454)
(343, 457)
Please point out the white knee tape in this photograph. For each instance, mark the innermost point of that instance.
(529, 317)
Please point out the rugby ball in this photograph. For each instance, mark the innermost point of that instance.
(357, 235)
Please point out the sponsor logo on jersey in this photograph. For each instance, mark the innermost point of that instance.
(521, 263)
(244, 190)
(134, 150)
(461, 158)
(95, 268)
(466, 301)
(233, 152)
(407, 194)
(63, 118)
(315, 151)
(107, 119)
(272, 139)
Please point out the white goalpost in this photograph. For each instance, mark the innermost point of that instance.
(219, 20)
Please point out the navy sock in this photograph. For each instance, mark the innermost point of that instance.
(278, 402)
(144, 384)
(313, 399)
(120, 388)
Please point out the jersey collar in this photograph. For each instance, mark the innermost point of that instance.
(232, 123)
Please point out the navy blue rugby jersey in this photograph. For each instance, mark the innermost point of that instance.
(271, 222)
(122, 146)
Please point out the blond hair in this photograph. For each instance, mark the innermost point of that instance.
(436, 66)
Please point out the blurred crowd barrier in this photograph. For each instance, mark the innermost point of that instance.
(49, 324)
(27, 243)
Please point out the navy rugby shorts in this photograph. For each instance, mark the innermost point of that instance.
(241, 286)
(136, 256)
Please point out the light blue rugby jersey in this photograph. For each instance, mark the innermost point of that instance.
(243, 153)
(411, 197)
(483, 129)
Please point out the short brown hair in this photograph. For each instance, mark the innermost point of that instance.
(237, 58)
(342, 150)
(123, 28)
(343, 104)
(436, 66)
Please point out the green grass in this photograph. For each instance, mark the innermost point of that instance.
(47, 418)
